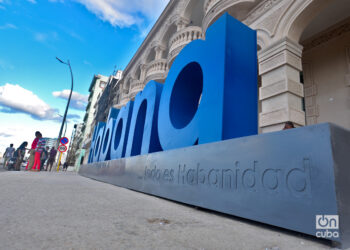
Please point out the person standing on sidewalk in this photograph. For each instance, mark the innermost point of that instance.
(32, 151)
(38, 150)
(19, 154)
(44, 156)
(8, 154)
(52, 158)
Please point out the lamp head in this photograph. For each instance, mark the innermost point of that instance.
(60, 60)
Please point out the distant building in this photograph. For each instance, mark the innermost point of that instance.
(97, 86)
(50, 142)
(107, 99)
(75, 147)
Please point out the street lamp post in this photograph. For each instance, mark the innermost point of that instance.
(70, 95)
(65, 125)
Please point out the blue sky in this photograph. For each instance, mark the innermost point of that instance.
(95, 35)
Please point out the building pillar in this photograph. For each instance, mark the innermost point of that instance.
(143, 68)
(181, 23)
(159, 51)
(281, 93)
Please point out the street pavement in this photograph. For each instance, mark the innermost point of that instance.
(50, 210)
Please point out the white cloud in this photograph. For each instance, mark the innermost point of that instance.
(8, 26)
(78, 101)
(4, 65)
(32, 1)
(125, 13)
(87, 63)
(40, 37)
(15, 99)
(4, 134)
(44, 37)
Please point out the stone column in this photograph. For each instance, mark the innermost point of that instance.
(281, 92)
(159, 51)
(181, 23)
(143, 68)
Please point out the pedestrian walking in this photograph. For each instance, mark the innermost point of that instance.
(51, 160)
(65, 166)
(38, 150)
(44, 156)
(19, 154)
(32, 151)
(8, 154)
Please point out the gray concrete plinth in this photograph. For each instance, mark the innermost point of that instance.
(67, 211)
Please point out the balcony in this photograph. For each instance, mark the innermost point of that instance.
(157, 70)
(181, 38)
(135, 87)
(124, 99)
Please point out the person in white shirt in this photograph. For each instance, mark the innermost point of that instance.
(8, 154)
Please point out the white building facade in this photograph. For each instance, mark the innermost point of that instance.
(97, 86)
(303, 55)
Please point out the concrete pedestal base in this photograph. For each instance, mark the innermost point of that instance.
(297, 179)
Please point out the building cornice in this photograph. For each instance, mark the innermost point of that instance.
(155, 29)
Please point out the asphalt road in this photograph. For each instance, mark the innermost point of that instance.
(66, 211)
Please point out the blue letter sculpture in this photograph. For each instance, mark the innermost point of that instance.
(97, 141)
(143, 132)
(210, 93)
(120, 132)
(105, 153)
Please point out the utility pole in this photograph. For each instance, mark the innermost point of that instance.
(68, 102)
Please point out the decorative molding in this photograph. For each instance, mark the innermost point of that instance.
(310, 89)
(260, 10)
(273, 17)
(282, 52)
(327, 35)
(209, 4)
(280, 116)
(216, 7)
(280, 87)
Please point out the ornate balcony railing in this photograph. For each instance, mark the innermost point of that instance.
(156, 70)
(181, 38)
(124, 98)
(135, 87)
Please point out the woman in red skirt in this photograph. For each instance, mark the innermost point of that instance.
(38, 150)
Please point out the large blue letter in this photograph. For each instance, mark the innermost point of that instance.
(98, 141)
(107, 137)
(120, 132)
(92, 144)
(143, 133)
(210, 93)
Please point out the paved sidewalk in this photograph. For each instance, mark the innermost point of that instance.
(66, 211)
